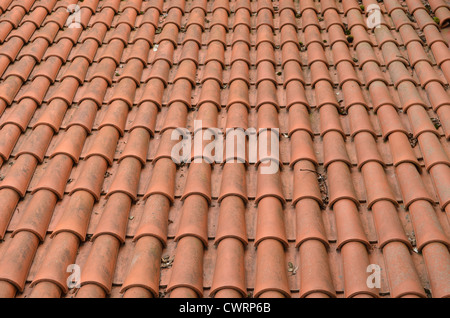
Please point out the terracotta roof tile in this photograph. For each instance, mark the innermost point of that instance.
(355, 120)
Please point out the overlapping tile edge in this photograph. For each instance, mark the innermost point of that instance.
(87, 176)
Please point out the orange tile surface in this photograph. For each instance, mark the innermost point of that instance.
(91, 92)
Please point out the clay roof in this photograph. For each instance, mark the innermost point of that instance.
(355, 93)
